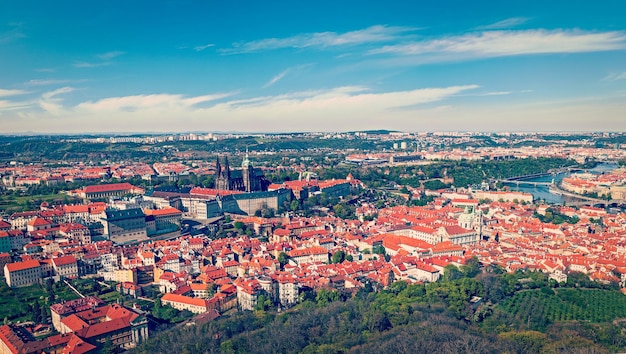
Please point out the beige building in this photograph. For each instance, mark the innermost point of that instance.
(24, 273)
(66, 267)
(180, 302)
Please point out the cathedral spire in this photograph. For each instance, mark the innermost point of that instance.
(246, 160)
(226, 167)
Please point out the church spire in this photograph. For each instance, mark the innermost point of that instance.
(226, 167)
(246, 160)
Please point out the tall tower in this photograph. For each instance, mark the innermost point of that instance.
(247, 172)
(222, 175)
(218, 167)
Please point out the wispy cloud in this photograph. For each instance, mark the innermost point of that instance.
(335, 109)
(497, 93)
(373, 34)
(6, 105)
(110, 55)
(507, 43)
(52, 104)
(45, 70)
(37, 82)
(104, 60)
(505, 24)
(147, 102)
(276, 78)
(289, 71)
(616, 76)
(84, 64)
(14, 33)
(6, 93)
(314, 109)
(12, 105)
(200, 48)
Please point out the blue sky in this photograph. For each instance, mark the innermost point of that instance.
(275, 66)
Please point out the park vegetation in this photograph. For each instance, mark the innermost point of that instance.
(471, 310)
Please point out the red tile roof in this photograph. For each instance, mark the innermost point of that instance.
(162, 212)
(184, 299)
(65, 260)
(99, 188)
(17, 266)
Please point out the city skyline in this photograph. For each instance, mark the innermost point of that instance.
(250, 67)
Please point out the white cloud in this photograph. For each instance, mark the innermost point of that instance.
(373, 34)
(200, 48)
(83, 64)
(506, 23)
(289, 71)
(507, 43)
(105, 60)
(147, 102)
(498, 93)
(330, 109)
(276, 78)
(5, 93)
(13, 34)
(616, 76)
(38, 82)
(6, 105)
(336, 109)
(13, 106)
(110, 55)
(52, 104)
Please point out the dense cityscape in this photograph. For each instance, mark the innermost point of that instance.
(123, 241)
(312, 177)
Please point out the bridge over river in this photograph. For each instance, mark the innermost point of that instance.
(528, 183)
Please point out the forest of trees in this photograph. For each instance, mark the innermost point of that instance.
(469, 311)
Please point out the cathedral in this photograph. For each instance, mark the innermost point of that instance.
(246, 179)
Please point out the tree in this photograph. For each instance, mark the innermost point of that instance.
(295, 205)
(349, 258)
(451, 272)
(239, 225)
(108, 347)
(283, 259)
(44, 315)
(378, 249)
(36, 312)
(471, 267)
(324, 297)
(263, 302)
(338, 257)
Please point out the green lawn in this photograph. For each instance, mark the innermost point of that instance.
(11, 204)
(15, 302)
(110, 296)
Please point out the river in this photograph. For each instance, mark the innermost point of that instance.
(543, 192)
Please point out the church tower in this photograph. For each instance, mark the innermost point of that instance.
(222, 175)
(247, 172)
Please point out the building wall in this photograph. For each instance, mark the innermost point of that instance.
(183, 306)
(288, 293)
(246, 300)
(24, 277)
(68, 270)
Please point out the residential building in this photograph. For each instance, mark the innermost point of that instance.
(180, 302)
(23, 273)
(65, 267)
